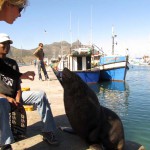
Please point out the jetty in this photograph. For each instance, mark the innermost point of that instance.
(54, 91)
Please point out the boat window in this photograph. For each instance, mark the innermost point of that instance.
(79, 63)
(88, 62)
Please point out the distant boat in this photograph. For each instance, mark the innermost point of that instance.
(141, 61)
(79, 61)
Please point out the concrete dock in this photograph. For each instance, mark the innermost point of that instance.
(54, 93)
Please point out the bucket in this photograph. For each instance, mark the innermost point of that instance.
(28, 107)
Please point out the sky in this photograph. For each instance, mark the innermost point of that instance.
(90, 21)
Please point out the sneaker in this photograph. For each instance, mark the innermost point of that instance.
(50, 138)
(6, 147)
(47, 78)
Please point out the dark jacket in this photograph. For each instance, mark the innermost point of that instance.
(7, 70)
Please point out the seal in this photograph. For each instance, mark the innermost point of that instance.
(91, 121)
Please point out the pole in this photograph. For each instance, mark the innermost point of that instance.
(70, 34)
(91, 40)
(112, 40)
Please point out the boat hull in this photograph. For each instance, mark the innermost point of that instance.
(86, 76)
(89, 76)
(117, 74)
(113, 68)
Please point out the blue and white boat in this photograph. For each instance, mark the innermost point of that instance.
(79, 61)
(113, 68)
(93, 66)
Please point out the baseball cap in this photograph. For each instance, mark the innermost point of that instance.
(4, 37)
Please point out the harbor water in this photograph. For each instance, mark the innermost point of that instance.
(131, 101)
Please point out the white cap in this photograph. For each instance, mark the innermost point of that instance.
(4, 37)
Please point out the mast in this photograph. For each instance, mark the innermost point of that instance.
(70, 34)
(113, 39)
(21, 55)
(61, 48)
(78, 35)
(91, 36)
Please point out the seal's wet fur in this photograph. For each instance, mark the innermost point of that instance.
(91, 121)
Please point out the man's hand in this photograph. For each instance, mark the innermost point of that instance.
(28, 75)
(14, 104)
(12, 101)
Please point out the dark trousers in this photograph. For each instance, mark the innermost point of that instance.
(41, 65)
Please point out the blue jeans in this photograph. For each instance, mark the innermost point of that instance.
(39, 100)
(6, 136)
(42, 66)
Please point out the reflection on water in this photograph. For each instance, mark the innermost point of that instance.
(113, 95)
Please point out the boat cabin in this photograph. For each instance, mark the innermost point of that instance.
(78, 60)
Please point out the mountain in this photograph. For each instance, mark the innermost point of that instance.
(50, 50)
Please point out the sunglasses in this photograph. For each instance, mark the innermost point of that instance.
(20, 9)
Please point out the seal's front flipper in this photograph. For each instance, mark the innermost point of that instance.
(67, 129)
(130, 145)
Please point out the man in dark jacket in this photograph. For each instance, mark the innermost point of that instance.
(10, 92)
(7, 70)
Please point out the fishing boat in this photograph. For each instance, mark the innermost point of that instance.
(140, 61)
(79, 61)
(93, 65)
(113, 67)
